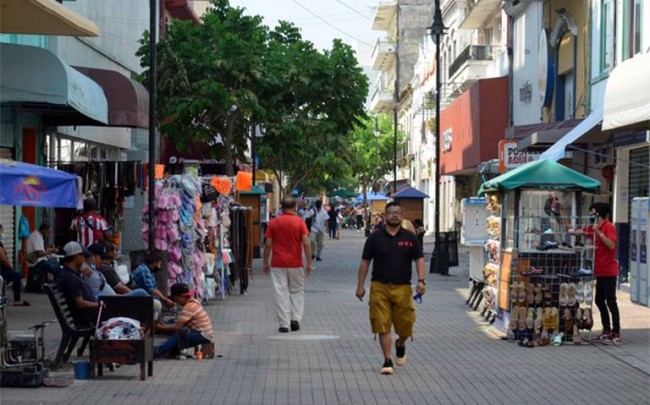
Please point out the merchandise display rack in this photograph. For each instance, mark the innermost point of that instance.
(551, 287)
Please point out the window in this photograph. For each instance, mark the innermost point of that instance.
(607, 35)
(634, 27)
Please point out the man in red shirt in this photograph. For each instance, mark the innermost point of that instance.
(89, 225)
(285, 240)
(606, 272)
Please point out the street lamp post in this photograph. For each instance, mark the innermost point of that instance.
(437, 30)
(256, 131)
(153, 22)
(377, 133)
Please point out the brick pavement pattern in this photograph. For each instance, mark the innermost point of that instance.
(454, 357)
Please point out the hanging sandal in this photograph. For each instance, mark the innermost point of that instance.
(588, 292)
(514, 317)
(571, 294)
(521, 323)
(577, 339)
(580, 291)
(538, 320)
(530, 293)
(564, 297)
(521, 292)
(530, 318)
(538, 294)
(589, 320)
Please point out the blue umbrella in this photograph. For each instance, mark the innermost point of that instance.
(24, 184)
(372, 196)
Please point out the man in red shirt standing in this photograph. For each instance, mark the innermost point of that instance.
(285, 240)
(89, 225)
(606, 272)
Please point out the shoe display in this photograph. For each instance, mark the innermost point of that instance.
(571, 294)
(295, 326)
(564, 297)
(400, 355)
(387, 368)
(589, 292)
(283, 330)
(580, 292)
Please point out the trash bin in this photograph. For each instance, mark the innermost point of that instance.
(445, 253)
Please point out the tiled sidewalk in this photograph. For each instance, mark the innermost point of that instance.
(454, 357)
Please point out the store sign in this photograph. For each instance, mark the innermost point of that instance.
(510, 156)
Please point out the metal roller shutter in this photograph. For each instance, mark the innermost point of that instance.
(7, 217)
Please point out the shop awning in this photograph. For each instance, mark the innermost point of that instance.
(37, 80)
(543, 174)
(128, 100)
(627, 95)
(45, 17)
(558, 150)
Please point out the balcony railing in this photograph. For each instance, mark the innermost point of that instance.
(472, 52)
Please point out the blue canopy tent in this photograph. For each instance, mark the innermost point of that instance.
(373, 196)
(24, 184)
(412, 202)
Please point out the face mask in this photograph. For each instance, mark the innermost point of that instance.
(592, 218)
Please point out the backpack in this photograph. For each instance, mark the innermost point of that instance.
(98, 235)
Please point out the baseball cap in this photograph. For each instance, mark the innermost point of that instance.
(181, 290)
(74, 248)
(98, 249)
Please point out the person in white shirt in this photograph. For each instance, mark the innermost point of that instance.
(41, 268)
(317, 232)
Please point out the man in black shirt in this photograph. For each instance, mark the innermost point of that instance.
(83, 305)
(393, 249)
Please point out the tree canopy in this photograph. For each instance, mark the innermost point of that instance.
(217, 78)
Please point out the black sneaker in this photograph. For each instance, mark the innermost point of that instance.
(387, 367)
(318, 259)
(283, 330)
(400, 355)
(295, 326)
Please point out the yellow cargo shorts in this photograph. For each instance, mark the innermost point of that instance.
(391, 304)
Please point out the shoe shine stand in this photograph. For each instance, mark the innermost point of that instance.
(21, 352)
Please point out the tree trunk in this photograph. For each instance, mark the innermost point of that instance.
(227, 143)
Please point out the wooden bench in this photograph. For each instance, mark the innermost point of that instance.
(70, 331)
(136, 351)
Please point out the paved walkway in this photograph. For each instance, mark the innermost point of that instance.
(454, 358)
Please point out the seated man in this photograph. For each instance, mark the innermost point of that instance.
(102, 286)
(41, 268)
(193, 326)
(110, 273)
(79, 296)
(143, 278)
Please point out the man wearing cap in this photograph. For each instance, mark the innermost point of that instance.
(72, 284)
(193, 326)
(143, 277)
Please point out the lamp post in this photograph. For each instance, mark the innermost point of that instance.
(377, 133)
(153, 22)
(256, 131)
(437, 30)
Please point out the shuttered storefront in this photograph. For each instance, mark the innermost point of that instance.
(7, 217)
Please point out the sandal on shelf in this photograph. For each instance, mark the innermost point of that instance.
(538, 320)
(530, 293)
(589, 292)
(530, 318)
(580, 291)
(571, 294)
(564, 297)
(521, 323)
(546, 316)
(546, 291)
(538, 294)
(579, 319)
(521, 292)
(554, 321)
(514, 292)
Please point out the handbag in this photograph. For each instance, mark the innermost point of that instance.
(208, 193)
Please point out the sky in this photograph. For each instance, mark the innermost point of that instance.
(321, 21)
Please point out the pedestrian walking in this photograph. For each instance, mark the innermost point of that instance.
(285, 240)
(392, 251)
(320, 221)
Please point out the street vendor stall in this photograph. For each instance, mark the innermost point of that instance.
(412, 202)
(539, 274)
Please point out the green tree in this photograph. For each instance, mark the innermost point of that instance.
(371, 154)
(309, 109)
(207, 77)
